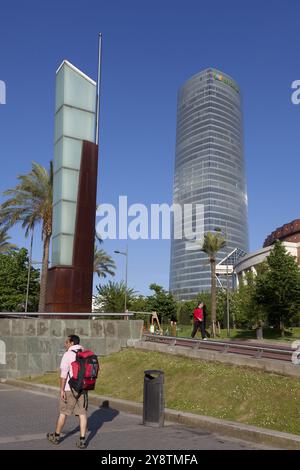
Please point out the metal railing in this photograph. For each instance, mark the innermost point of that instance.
(61, 314)
(256, 350)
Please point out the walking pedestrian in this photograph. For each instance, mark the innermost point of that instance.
(69, 404)
(199, 321)
(173, 324)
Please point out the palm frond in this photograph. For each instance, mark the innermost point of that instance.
(5, 246)
(30, 201)
(103, 264)
(213, 242)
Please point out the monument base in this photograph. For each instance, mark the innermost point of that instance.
(70, 288)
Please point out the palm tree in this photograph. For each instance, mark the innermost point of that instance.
(110, 298)
(30, 203)
(5, 246)
(103, 263)
(212, 244)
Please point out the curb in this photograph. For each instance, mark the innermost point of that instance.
(233, 429)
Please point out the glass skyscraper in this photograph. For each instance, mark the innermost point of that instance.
(209, 170)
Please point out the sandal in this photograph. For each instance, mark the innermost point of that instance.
(81, 444)
(52, 438)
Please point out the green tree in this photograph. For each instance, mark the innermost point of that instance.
(185, 311)
(5, 246)
(140, 303)
(278, 288)
(111, 297)
(213, 242)
(221, 309)
(247, 311)
(30, 203)
(162, 302)
(13, 283)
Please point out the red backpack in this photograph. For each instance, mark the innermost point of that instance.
(85, 370)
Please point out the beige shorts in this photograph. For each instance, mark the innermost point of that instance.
(72, 406)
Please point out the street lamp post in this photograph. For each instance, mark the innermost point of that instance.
(125, 253)
(227, 293)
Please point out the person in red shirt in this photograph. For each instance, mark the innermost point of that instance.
(199, 321)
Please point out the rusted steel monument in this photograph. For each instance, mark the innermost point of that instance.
(70, 277)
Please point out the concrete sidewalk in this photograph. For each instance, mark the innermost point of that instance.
(232, 429)
(28, 415)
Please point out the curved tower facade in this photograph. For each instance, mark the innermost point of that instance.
(209, 170)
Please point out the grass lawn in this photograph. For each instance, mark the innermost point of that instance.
(223, 391)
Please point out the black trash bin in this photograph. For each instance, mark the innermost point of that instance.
(154, 403)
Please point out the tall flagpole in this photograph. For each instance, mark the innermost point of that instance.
(98, 88)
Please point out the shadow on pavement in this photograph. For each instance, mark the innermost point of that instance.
(95, 421)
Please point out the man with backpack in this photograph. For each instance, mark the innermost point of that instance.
(78, 373)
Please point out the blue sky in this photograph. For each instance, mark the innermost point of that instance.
(149, 50)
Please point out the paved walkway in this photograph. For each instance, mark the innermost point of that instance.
(27, 416)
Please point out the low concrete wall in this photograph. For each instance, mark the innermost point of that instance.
(34, 346)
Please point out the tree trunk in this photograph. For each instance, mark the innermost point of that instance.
(233, 321)
(213, 297)
(44, 275)
(281, 326)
